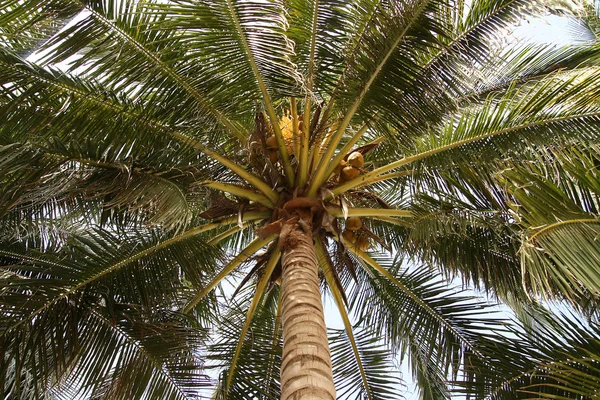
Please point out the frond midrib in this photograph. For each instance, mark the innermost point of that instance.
(112, 268)
(549, 227)
(165, 69)
(157, 365)
(365, 179)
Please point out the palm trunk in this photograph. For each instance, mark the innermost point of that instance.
(306, 363)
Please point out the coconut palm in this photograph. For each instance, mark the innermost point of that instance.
(185, 181)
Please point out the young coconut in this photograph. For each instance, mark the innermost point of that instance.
(356, 159)
(348, 173)
(353, 223)
(340, 167)
(349, 236)
(271, 143)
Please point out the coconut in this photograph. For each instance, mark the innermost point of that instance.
(349, 236)
(356, 159)
(271, 142)
(349, 173)
(340, 167)
(273, 155)
(353, 223)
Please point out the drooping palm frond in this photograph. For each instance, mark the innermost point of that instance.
(383, 379)
(94, 345)
(144, 365)
(448, 334)
(80, 297)
(259, 358)
(558, 215)
(562, 363)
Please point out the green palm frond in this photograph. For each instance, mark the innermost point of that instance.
(503, 125)
(559, 218)
(472, 226)
(437, 329)
(563, 363)
(124, 266)
(326, 34)
(24, 28)
(259, 358)
(104, 355)
(145, 60)
(383, 377)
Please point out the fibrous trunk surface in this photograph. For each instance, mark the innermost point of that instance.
(306, 364)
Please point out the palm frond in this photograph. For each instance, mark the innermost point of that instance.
(260, 352)
(25, 27)
(146, 60)
(383, 378)
(436, 328)
(558, 215)
(373, 377)
(563, 362)
(501, 126)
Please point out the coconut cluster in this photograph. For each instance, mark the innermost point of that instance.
(353, 235)
(349, 168)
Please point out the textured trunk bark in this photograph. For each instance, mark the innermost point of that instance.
(306, 363)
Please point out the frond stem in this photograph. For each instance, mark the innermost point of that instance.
(227, 233)
(321, 255)
(294, 111)
(242, 173)
(285, 158)
(242, 256)
(369, 212)
(260, 289)
(373, 264)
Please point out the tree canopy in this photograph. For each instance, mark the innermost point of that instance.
(154, 153)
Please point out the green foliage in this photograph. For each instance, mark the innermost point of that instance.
(135, 178)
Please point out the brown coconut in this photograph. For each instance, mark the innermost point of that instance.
(340, 167)
(271, 142)
(353, 223)
(356, 159)
(349, 173)
(349, 236)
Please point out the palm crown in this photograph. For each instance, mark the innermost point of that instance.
(154, 150)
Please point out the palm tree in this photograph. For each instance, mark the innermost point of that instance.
(152, 152)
